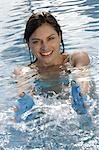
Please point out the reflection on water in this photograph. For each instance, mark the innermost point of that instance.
(55, 126)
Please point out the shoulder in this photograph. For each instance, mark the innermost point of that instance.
(19, 72)
(80, 59)
(66, 57)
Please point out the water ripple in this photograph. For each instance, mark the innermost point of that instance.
(49, 130)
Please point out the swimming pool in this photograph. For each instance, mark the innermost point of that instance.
(57, 127)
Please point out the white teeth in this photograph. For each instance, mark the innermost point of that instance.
(46, 53)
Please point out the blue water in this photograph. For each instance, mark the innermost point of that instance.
(57, 127)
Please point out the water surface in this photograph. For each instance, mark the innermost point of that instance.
(57, 127)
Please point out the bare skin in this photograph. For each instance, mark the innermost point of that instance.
(45, 45)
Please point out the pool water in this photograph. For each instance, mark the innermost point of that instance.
(55, 125)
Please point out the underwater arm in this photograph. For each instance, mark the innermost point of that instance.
(23, 80)
(23, 104)
(80, 62)
(24, 100)
(80, 85)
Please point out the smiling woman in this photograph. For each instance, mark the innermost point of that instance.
(43, 36)
(45, 44)
(51, 112)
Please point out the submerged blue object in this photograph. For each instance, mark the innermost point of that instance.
(77, 98)
(24, 103)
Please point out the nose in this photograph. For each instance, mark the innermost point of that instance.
(44, 46)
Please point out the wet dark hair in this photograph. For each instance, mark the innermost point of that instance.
(36, 20)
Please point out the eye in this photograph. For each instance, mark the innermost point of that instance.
(51, 38)
(35, 41)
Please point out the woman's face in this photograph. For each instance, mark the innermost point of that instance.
(45, 45)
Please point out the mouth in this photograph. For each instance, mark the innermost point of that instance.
(46, 53)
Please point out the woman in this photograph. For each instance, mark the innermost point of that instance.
(43, 36)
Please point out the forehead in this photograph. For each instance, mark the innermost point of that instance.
(44, 30)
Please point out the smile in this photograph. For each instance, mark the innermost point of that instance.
(46, 53)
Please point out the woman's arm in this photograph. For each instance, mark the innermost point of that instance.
(80, 62)
(81, 77)
(79, 59)
(24, 100)
(23, 77)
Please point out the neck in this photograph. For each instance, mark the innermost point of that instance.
(58, 61)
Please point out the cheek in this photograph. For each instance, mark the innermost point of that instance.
(58, 43)
(36, 52)
(57, 46)
(34, 48)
